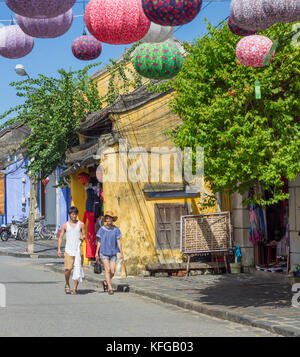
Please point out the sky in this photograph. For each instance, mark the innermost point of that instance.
(49, 55)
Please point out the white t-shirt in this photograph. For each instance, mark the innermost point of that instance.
(73, 235)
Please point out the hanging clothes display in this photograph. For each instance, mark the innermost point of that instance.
(90, 234)
(257, 232)
(89, 206)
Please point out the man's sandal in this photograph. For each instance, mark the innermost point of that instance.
(105, 285)
(67, 289)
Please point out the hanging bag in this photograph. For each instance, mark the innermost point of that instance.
(97, 268)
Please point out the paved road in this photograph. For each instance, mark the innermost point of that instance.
(38, 306)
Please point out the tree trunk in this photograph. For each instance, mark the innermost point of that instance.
(32, 213)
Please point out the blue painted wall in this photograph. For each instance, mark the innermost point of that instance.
(15, 189)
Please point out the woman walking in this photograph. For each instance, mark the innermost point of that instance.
(109, 245)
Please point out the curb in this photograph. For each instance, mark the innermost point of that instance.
(27, 255)
(223, 314)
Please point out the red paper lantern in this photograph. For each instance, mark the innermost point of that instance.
(116, 22)
(86, 48)
(171, 12)
(83, 178)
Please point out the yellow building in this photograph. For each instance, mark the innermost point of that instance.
(142, 185)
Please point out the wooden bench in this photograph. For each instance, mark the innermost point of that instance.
(174, 267)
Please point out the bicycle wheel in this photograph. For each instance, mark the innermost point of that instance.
(22, 233)
(4, 236)
(45, 233)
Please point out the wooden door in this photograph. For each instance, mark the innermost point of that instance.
(167, 225)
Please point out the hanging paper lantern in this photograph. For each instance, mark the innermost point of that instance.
(46, 28)
(40, 8)
(158, 33)
(253, 50)
(158, 60)
(45, 183)
(258, 15)
(171, 12)
(237, 30)
(116, 22)
(86, 48)
(15, 42)
(83, 178)
(99, 173)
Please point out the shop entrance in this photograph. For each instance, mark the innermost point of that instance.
(272, 254)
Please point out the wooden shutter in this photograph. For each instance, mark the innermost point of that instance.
(167, 225)
(2, 194)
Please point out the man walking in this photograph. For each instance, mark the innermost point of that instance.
(75, 235)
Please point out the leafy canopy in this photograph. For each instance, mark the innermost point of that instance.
(249, 143)
(53, 109)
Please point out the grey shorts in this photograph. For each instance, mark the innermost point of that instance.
(111, 258)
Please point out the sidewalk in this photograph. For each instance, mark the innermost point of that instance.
(42, 248)
(261, 300)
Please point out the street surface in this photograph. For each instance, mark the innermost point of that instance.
(36, 305)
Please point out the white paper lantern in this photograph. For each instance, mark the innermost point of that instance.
(158, 33)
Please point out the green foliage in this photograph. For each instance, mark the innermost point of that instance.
(126, 80)
(248, 143)
(53, 109)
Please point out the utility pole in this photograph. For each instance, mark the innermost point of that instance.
(32, 214)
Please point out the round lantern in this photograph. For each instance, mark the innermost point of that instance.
(86, 48)
(45, 183)
(158, 60)
(237, 30)
(15, 43)
(158, 33)
(40, 8)
(253, 50)
(258, 15)
(83, 178)
(46, 28)
(116, 22)
(171, 12)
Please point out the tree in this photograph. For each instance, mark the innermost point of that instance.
(53, 109)
(249, 143)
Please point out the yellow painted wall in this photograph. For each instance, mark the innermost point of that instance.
(79, 196)
(104, 78)
(145, 127)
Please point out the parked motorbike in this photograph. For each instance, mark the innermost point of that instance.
(4, 232)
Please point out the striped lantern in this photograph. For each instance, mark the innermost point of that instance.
(86, 48)
(116, 22)
(171, 12)
(253, 50)
(40, 8)
(48, 27)
(157, 60)
(15, 43)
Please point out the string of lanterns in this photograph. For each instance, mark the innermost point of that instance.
(149, 21)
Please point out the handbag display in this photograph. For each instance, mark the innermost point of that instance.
(97, 268)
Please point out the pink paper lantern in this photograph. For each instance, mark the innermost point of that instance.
(116, 21)
(15, 43)
(46, 28)
(40, 8)
(252, 50)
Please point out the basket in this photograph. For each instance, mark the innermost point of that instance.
(205, 233)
